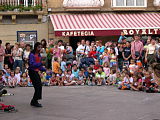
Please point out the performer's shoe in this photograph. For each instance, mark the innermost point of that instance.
(35, 104)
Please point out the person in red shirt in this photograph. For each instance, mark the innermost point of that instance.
(93, 52)
(97, 65)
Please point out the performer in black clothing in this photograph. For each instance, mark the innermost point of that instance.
(35, 65)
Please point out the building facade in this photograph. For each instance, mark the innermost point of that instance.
(80, 13)
(72, 20)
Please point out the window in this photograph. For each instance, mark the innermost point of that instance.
(83, 3)
(129, 3)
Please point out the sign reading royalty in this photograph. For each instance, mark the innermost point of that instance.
(142, 31)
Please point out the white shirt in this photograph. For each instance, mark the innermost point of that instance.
(83, 48)
(126, 80)
(17, 53)
(26, 54)
(18, 77)
(61, 47)
(151, 49)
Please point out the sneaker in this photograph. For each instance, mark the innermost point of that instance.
(36, 104)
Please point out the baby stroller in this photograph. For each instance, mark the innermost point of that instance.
(86, 62)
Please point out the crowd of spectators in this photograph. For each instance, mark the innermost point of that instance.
(128, 65)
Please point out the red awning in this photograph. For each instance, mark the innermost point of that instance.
(105, 24)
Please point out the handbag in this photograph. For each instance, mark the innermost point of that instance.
(11, 60)
(137, 53)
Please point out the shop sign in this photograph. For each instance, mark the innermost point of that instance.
(78, 33)
(142, 31)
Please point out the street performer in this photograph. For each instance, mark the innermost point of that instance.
(35, 65)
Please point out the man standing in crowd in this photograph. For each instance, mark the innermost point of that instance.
(49, 53)
(60, 45)
(2, 52)
(82, 50)
(137, 48)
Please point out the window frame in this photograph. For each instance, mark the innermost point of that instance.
(113, 3)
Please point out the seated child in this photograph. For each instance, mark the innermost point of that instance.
(127, 81)
(106, 69)
(70, 79)
(45, 82)
(12, 80)
(24, 80)
(18, 74)
(75, 71)
(48, 75)
(29, 82)
(118, 78)
(132, 67)
(53, 80)
(59, 78)
(5, 68)
(137, 82)
(150, 86)
(91, 77)
(6, 75)
(100, 77)
(81, 78)
(2, 81)
(112, 78)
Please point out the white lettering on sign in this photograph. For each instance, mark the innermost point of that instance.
(137, 31)
(78, 33)
(125, 32)
(131, 32)
(156, 31)
(144, 32)
(141, 31)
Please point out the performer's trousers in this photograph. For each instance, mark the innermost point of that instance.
(36, 81)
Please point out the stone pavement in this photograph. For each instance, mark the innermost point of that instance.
(84, 103)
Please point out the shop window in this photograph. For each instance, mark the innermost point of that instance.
(27, 19)
(7, 19)
(83, 3)
(129, 3)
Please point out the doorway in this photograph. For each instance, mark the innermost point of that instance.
(74, 40)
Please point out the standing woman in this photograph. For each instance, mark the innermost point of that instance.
(43, 51)
(35, 65)
(8, 59)
(17, 54)
(150, 56)
(56, 52)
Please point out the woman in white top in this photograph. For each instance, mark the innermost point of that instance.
(26, 54)
(17, 54)
(150, 53)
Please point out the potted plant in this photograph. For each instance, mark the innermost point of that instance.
(37, 8)
(27, 8)
(10, 8)
(1, 8)
(20, 8)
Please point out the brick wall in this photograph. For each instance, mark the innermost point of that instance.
(8, 33)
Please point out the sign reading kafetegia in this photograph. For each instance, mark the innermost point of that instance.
(78, 33)
(142, 31)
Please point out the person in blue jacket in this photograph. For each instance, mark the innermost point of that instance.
(35, 65)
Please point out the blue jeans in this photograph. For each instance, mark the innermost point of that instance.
(18, 63)
(1, 65)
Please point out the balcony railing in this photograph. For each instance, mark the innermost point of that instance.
(83, 3)
(21, 5)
